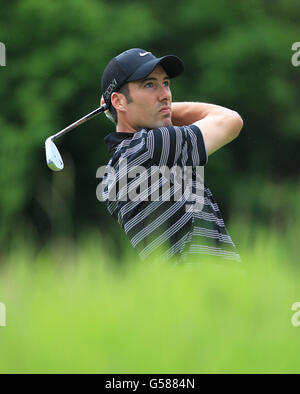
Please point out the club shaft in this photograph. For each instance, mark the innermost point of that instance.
(79, 122)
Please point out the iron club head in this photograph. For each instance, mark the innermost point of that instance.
(53, 157)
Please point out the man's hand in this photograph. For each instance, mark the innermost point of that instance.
(107, 112)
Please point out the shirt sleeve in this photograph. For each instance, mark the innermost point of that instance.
(172, 145)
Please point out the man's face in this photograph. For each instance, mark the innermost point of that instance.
(150, 106)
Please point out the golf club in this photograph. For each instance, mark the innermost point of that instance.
(53, 157)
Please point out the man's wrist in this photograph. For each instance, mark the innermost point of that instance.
(186, 113)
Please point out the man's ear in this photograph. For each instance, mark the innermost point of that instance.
(118, 101)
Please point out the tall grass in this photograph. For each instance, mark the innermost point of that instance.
(74, 309)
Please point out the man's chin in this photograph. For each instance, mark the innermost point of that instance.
(160, 123)
(164, 123)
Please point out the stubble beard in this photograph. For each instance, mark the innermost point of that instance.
(158, 123)
(165, 122)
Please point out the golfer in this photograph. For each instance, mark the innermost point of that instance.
(153, 133)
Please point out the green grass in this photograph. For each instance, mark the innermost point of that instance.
(74, 309)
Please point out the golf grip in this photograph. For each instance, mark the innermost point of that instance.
(80, 121)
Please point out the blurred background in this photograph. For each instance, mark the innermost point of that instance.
(70, 305)
(236, 54)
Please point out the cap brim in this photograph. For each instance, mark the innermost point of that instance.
(172, 65)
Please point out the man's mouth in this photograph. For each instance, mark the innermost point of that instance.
(165, 110)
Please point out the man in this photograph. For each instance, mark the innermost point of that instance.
(154, 133)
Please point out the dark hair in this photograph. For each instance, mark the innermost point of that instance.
(124, 89)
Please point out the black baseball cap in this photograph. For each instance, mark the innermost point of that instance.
(132, 65)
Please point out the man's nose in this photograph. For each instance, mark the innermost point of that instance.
(165, 93)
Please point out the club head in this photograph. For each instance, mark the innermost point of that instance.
(53, 158)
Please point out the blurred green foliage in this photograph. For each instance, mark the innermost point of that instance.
(72, 309)
(237, 54)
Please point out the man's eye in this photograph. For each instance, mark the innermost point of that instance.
(167, 83)
(149, 85)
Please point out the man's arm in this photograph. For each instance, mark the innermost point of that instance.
(218, 125)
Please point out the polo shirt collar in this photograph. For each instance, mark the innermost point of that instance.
(112, 140)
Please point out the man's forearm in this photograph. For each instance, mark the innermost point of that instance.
(186, 113)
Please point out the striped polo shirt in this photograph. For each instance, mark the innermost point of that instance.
(155, 221)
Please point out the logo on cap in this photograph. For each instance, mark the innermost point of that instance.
(145, 53)
(110, 89)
